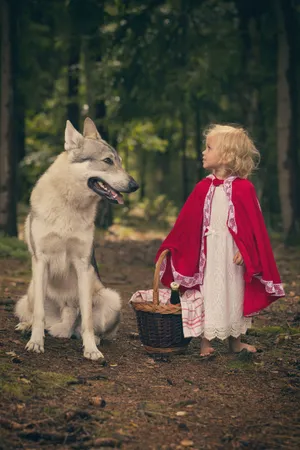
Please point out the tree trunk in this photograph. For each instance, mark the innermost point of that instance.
(73, 109)
(244, 20)
(285, 124)
(292, 27)
(100, 115)
(185, 184)
(198, 141)
(104, 217)
(19, 106)
(143, 170)
(93, 55)
(8, 208)
(183, 49)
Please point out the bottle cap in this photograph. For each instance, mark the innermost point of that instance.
(174, 285)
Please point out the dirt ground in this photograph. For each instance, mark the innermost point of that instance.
(133, 401)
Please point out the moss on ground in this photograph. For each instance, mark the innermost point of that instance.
(16, 385)
(12, 384)
(240, 365)
(272, 330)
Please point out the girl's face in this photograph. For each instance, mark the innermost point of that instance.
(211, 157)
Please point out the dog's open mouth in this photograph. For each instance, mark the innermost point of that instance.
(105, 190)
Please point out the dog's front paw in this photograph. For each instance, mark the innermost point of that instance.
(93, 354)
(36, 346)
(60, 330)
(23, 326)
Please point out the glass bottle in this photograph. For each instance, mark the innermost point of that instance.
(175, 297)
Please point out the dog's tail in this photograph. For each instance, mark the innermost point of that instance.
(106, 314)
(111, 331)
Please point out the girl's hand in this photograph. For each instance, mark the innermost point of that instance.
(238, 260)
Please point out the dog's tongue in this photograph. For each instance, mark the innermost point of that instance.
(117, 196)
(120, 199)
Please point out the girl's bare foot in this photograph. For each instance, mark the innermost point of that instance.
(206, 348)
(236, 346)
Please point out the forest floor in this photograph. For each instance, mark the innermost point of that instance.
(133, 401)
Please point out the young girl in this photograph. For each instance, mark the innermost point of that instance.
(219, 243)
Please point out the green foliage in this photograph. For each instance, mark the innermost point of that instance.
(44, 139)
(158, 209)
(11, 247)
(141, 136)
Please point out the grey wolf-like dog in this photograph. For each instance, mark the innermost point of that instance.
(65, 295)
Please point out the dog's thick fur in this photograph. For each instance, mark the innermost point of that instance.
(65, 295)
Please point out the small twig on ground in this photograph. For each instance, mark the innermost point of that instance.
(155, 413)
(64, 388)
(107, 442)
(12, 425)
(53, 437)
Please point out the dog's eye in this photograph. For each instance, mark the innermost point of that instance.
(108, 161)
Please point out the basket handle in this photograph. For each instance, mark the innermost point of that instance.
(156, 277)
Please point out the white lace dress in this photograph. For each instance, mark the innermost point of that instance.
(223, 284)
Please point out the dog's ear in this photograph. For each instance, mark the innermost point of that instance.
(89, 130)
(73, 139)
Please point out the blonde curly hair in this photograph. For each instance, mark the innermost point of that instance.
(236, 149)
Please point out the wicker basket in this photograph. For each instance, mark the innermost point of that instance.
(160, 326)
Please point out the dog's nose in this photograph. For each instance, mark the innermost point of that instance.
(133, 186)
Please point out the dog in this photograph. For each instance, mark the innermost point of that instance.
(65, 295)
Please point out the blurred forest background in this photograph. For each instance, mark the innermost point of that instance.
(152, 74)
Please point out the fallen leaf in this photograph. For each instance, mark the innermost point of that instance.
(98, 401)
(187, 443)
(181, 413)
(106, 442)
(133, 335)
(24, 380)
(134, 424)
(20, 406)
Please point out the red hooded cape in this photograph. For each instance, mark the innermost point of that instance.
(187, 242)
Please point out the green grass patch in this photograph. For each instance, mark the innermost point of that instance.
(12, 247)
(15, 390)
(243, 361)
(49, 381)
(240, 365)
(264, 331)
(12, 385)
(272, 331)
(15, 384)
